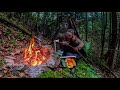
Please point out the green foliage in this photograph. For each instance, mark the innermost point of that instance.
(48, 74)
(87, 48)
(82, 70)
(63, 63)
(64, 73)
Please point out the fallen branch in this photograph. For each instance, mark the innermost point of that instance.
(116, 76)
(6, 21)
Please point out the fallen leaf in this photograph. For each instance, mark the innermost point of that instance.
(1, 75)
(1, 33)
(14, 76)
(4, 67)
(5, 71)
(4, 50)
(12, 54)
(0, 52)
(17, 52)
(6, 46)
(10, 57)
(22, 74)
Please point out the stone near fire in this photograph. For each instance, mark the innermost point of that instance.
(35, 70)
(9, 62)
(10, 57)
(51, 63)
(19, 66)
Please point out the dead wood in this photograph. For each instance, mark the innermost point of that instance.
(9, 23)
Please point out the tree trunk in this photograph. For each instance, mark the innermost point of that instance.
(86, 26)
(104, 25)
(113, 43)
(92, 21)
(37, 23)
(110, 32)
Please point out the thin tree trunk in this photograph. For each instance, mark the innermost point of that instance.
(113, 44)
(37, 21)
(102, 23)
(103, 31)
(110, 29)
(92, 21)
(86, 26)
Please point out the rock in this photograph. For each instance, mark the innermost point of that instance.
(10, 57)
(57, 62)
(51, 63)
(18, 66)
(9, 62)
(10, 65)
(35, 71)
(14, 72)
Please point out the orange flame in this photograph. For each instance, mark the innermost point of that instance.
(70, 62)
(34, 56)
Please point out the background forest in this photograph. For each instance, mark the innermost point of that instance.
(100, 29)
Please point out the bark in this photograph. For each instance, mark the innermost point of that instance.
(113, 43)
(86, 26)
(103, 31)
(92, 21)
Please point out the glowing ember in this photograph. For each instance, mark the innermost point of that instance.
(35, 56)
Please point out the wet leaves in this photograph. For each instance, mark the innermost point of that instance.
(22, 74)
(1, 32)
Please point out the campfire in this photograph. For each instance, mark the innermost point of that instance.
(35, 55)
(33, 60)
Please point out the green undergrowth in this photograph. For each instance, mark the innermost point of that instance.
(82, 70)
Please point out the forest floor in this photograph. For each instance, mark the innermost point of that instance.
(13, 40)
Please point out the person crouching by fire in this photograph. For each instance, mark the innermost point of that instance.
(71, 45)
